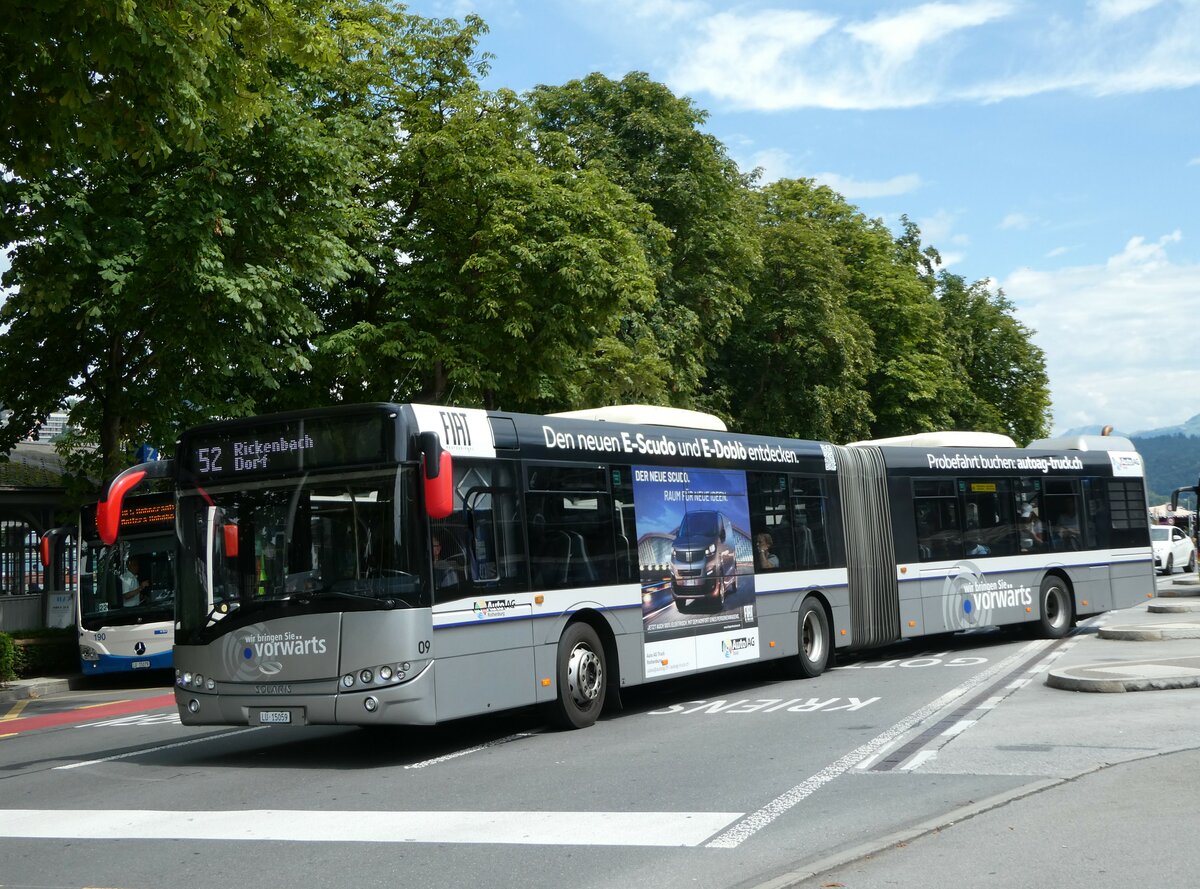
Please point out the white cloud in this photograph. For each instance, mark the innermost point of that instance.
(1115, 10)
(898, 37)
(1194, 162)
(857, 189)
(1057, 251)
(1016, 222)
(1115, 335)
(773, 59)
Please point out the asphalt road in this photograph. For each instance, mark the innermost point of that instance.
(729, 780)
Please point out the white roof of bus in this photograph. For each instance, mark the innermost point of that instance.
(1084, 443)
(947, 439)
(647, 415)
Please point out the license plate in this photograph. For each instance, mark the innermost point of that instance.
(274, 717)
(141, 665)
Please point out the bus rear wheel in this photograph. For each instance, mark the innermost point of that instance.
(1057, 612)
(816, 642)
(582, 674)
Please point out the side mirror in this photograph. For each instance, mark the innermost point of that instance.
(231, 540)
(108, 510)
(437, 475)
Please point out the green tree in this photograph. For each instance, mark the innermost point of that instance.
(94, 81)
(166, 291)
(796, 362)
(648, 141)
(498, 272)
(1006, 389)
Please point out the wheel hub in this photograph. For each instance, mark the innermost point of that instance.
(584, 675)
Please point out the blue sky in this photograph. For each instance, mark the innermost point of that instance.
(1052, 148)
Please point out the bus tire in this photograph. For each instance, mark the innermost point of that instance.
(582, 675)
(816, 642)
(1056, 613)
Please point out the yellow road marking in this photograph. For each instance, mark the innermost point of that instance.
(15, 711)
(104, 704)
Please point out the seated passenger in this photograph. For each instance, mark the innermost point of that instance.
(764, 559)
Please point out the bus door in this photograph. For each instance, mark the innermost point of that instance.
(483, 629)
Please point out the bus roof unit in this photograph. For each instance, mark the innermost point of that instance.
(1084, 443)
(946, 439)
(648, 415)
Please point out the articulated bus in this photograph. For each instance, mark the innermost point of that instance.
(387, 563)
(125, 610)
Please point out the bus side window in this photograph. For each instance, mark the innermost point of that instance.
(809, 521)
(939, 531)
(768, 500)
(571, 526)
(628, 570)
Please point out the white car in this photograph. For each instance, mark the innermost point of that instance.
(1172, 548)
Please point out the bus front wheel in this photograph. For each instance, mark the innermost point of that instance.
(1056, 609)
(816, 642)
(582, 674)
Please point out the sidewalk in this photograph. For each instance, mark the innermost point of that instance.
(1144, 648)
(24, 689)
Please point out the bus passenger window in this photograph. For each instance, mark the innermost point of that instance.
(939, 533)
(571, 536)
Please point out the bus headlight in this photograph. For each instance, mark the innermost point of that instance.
(193, 706)
(87, 653)
(385, 673)
(348, 680)
(366, 676)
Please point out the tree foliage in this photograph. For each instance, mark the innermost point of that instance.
(214, 209)
(166, 292)
(648, 141)
(1006, 389)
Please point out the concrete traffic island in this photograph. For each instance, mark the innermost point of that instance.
(1157, 675)
(1151, 632)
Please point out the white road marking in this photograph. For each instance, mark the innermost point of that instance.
(756, 821)
(521, 828)
(449, 756)
(958, 728)
(92, 762)
(920, 759)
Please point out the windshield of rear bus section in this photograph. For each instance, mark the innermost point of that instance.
(346, 542)
(131, 582)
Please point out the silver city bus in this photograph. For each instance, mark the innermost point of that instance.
(386, 563)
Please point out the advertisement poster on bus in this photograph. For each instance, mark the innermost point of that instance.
(698, 599)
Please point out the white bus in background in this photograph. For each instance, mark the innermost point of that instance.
(125, 610)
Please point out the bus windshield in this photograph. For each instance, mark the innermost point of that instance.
(315, 543)
(130, 582)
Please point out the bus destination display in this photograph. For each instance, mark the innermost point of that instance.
(287, 447)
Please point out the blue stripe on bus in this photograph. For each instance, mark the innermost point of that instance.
(111, 663)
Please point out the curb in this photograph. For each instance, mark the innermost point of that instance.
(1154, 675)
(1172, 607)
(1151, 632)
(25, 689)
(799, 875)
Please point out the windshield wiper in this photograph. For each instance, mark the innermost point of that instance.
(306, 598)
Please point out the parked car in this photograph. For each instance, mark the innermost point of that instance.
(1172, 548)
